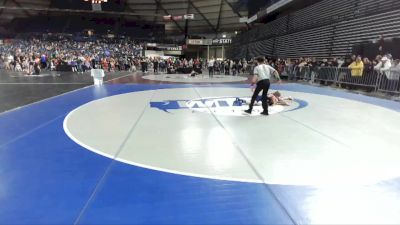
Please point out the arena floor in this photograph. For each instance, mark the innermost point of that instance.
(179, 151)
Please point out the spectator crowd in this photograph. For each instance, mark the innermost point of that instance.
(62, 53)
(33, 55)
(351, 72)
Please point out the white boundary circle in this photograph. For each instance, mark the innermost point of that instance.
(303, 115)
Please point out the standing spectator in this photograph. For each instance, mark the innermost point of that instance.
(216, 67)
(222, 67)
(227, 66)
(73, 65)
(142, 65)
(239, 66)
(155, 65)
(162, 66)
(43, 61)
(37, 67)
(393, 76)
(8, 62)
(370, 76)
(245, 64)
(368, 66)
(303, 70)
(234, 67)
(384, 65)
(383, 68)
(211, 67)
(357, 67)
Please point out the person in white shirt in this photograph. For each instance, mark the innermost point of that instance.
(262, 75)
(211, 67)
(391, 81)
(383, 66)
(8, 62)
(394, 72)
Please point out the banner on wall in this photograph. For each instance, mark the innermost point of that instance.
(177, 53)
(167, 47)
(188, 16)
(217, 41)
(178, 17)
(222, 41)
(199, 42)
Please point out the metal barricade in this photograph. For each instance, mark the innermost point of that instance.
(295, 72)
(326, 74)
(357, 77)
(389, 81)
(346, 77)
(366, 79)
(304, 73)
(287, 71)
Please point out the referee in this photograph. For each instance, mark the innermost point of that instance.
(262, 74)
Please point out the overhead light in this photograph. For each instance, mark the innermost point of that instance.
(96, 1)
(236, 32)
(224, 36)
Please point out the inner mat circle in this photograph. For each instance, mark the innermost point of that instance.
(202, 78)
(331, 141)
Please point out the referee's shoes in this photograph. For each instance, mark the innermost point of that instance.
(263, 113)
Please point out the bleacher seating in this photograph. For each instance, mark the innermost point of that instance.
(264, 47)
(364, 7)
(276, 27)
(349, 33)
(327, 28)
(311, 43)
(321, 13)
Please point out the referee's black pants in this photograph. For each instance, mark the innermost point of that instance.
(262, 85)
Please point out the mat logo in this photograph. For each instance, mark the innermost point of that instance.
(201, 103)
(167, 106)
(230, 106)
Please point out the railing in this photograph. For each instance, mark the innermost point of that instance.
(348, 77)
(295, 72)
(367, 79)
(389, 82)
